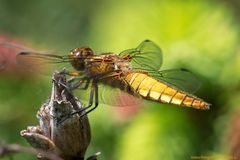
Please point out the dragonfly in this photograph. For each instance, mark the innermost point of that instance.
(133, 71)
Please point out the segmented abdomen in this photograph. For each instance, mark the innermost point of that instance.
(152, 89)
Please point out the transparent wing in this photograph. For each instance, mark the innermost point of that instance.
(181, 79)
(42, 63)
(116, 97)
(109, 96)
(8, 52)
(19, 57)
(146, 55)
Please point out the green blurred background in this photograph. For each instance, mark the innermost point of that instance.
(200, 35)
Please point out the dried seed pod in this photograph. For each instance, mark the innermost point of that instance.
(60, 132)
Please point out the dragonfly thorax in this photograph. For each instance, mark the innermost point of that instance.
(77, 57)
(122, 65)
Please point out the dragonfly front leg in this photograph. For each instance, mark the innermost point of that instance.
(71, 73)
(75, 75)
(79, 82)
(70, 86)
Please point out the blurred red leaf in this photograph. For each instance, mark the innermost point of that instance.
(9, 49)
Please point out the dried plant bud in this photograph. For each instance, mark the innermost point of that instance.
(59, 132)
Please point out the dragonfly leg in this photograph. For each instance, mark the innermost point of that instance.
(67, 87)
(96, 100)
(71, 73)
(79, 83)
(91, 97)
(94, 91)
(75, 75)
(86, 85)
(95, 85)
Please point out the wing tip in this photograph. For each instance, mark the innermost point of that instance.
(23, 53)
(147, 41)
(184, 69)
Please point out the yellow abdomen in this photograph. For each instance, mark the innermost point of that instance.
(152, 89)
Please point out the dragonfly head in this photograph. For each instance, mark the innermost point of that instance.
(77, 57)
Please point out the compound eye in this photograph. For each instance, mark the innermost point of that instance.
(88, 51)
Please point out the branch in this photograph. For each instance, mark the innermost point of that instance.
(10, 149)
